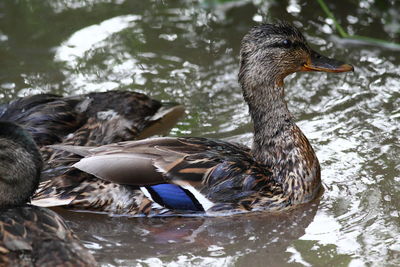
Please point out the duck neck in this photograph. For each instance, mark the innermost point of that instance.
(280, 144)
(272, 121)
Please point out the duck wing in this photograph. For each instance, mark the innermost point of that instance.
(146, 162)
(190, 174)
(156, 160)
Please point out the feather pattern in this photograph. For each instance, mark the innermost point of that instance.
(174, 197)
(184, 175)
(33, 236)
(90, 119)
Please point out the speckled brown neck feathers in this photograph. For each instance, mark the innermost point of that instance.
(281, 145)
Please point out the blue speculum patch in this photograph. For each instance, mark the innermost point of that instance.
(174, 197)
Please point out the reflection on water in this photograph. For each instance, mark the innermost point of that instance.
(188, 52)
(246, 239)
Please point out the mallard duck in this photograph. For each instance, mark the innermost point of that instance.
(190, 175)
(90, 119)
(29, 235)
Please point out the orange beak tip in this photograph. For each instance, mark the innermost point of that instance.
(346, 67)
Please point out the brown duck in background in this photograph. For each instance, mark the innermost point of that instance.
(90, 119)
(186, 176)
(29, 235)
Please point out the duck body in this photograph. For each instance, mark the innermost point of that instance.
(187, 176)
(90, 119)
(29, 235)
(171, 176)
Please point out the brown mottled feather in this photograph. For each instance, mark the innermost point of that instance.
(33, 236)
(89, 120)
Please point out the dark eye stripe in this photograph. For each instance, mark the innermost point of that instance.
(293, 45)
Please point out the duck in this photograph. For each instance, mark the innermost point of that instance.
(196, 176)
(30, 235)
(95, 118)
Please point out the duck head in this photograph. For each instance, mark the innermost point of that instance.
(20, 165)
(270, 52)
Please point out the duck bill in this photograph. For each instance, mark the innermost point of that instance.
(318, 62)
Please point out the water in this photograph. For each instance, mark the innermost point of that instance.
(188, 52)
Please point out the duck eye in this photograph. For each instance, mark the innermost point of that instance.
(287, 43)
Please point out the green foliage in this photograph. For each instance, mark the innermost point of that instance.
(344, 34)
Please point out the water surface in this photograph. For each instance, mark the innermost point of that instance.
(188, 52)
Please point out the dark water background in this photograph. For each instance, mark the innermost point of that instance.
(187, 51)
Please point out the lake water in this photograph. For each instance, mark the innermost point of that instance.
(187, 51)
